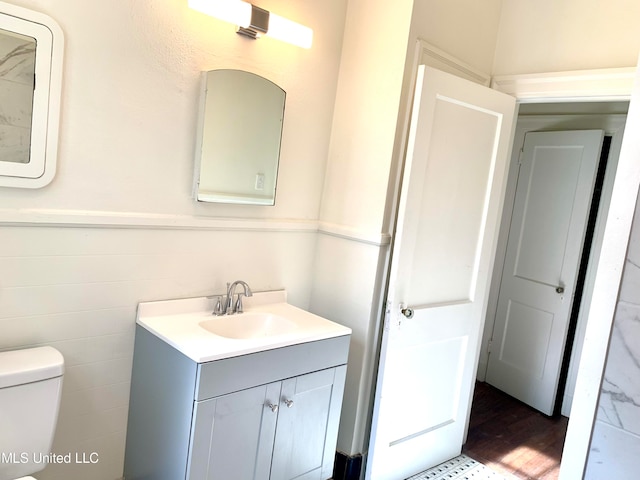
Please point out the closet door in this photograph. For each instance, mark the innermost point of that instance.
(549, 219)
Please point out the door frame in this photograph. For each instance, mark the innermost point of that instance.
(622, 84)
(594, 85)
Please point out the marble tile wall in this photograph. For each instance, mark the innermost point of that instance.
(616, 438)
(17, 68)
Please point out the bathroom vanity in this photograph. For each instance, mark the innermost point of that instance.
(254, 395)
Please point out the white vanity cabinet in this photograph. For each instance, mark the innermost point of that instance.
(268, 415)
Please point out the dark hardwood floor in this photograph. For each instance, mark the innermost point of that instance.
(513, 438)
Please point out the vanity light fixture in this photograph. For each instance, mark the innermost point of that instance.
(254, 21)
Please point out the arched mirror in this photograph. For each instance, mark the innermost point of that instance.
(31, 46)
(238, 146)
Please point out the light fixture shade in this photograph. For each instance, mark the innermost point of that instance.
(288, 31)
(232, 11)
(239, 13)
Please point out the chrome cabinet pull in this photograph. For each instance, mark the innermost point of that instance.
(274, 408)
(288, 403)
(559, 289)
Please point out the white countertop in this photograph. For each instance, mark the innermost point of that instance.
(177, 322)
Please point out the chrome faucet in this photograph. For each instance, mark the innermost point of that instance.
(236, 307)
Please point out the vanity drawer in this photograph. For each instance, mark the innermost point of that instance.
(237, 373)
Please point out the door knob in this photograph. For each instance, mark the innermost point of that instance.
(407, 312)
(559, 289)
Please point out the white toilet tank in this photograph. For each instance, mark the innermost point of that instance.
(30, 388)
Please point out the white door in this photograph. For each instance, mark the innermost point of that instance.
(451, 197)
(552, 202)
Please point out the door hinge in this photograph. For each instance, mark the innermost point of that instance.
(489, 344)
(392, 319)
(520, 156)
(387, 316)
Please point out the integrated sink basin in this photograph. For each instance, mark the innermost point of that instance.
(249, 325)
(268, 322)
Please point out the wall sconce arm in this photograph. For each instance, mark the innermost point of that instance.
(259, 23)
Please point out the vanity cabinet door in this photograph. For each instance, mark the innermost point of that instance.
(232, 435)
(308, 418)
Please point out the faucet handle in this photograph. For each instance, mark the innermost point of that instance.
(238, 305)
(217, 309)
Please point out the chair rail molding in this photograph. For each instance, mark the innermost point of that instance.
(144, 220)
(354, 234)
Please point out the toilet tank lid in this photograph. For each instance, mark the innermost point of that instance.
(18, 367)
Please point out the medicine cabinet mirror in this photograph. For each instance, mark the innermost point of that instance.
(31, 48)
(238, 144)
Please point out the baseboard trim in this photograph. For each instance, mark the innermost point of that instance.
(347, 467)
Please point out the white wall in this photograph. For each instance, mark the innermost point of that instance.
(465, 29)
(118, 224)
(552, 36)
(366, 110)
(130, 96)
(348, 277)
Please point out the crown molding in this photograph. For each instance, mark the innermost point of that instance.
(594, 85)
(432, 56)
